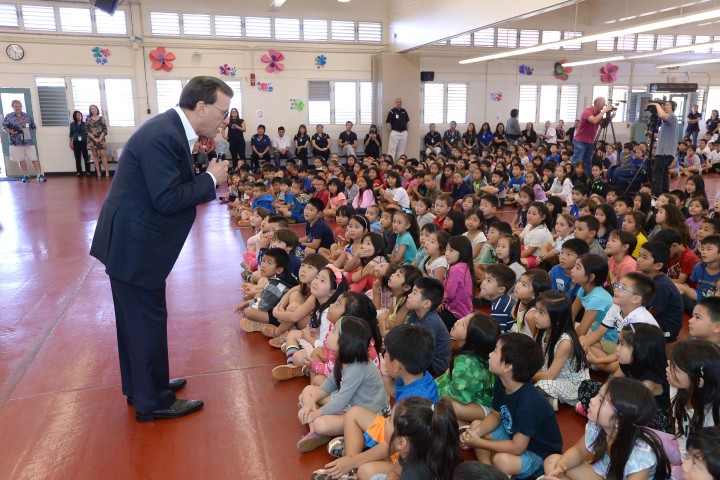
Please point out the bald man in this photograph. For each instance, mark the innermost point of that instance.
(397, 120)
(586, 131)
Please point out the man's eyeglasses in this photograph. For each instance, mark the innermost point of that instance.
(224, 112)
(617, 286)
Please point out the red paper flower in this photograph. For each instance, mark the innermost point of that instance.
(273, 59)
(161, 60)
(608, 73)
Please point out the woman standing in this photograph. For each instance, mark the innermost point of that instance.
(234, 134)
(373, 142)
(96, 133)
(301, 144)
(513, 126)
(78, 142)
(711, 124)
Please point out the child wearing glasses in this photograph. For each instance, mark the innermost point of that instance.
(631, 292)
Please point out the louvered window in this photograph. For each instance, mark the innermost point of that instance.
(162, 23)
(287, 29)
(52, 98)
(370, 32)
(196, 25)
(38, 18)
(257, 27)
(228, 26)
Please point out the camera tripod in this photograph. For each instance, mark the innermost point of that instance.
(601, 134)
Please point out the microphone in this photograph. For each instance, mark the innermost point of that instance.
(221, 148)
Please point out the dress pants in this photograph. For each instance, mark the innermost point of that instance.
(397, 143)
(141, 323)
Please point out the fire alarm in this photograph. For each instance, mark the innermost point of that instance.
(252, 79)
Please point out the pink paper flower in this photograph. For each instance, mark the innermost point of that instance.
(608, 73)
(161, 60)
(273, 59)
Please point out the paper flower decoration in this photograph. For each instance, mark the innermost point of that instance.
(560, 72)
(297, 104)
(161, 60)
(525, 70)
(608, 73)
(228, 71)
(273, 59)
(265, 87)
(100, 55)
(496, 96)
(320, 61)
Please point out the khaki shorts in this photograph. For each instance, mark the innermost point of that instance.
(19, 153)
(608, 346)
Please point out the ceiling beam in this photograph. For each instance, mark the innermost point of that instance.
(416, 23)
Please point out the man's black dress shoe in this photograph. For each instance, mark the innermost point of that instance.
(175, 385)
(180, 408)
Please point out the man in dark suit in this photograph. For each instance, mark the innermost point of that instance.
(143, 225)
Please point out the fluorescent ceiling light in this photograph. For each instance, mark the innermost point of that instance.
(665, 51)
(278, 3)
(646, 27)
(694, 62)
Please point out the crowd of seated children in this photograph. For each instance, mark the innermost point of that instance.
(592, 277)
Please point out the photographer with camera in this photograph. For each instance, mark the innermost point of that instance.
(666, 144)
(583, 141)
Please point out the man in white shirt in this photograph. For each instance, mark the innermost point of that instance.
(281, 146)
(550, 135)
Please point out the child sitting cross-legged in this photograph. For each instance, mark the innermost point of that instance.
(326, 287)
(400, 283)
(619, 248)
(257, 312)
(409, 354)
(616, 438)
(565, 364)
(560, 273)
(468, 383)
(355, 381)
(629, 295)
(496, 287)
(422, 303)
(521, 429)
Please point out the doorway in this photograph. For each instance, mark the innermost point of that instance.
(7, 95)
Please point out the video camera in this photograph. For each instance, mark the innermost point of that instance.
(651, 109)
(614, 104)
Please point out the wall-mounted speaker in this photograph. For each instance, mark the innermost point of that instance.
(108, 6)
(427, 76)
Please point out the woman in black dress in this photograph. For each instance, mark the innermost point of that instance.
(373, 142)
(234, 134)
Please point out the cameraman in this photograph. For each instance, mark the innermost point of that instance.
(666, 146)
(585, 133)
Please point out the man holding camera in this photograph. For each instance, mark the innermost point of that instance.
(585, 133)
(666, 145)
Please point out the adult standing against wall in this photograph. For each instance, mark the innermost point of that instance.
(583, 146)
(78, 142)
(712, 124)
(143, 225)
(97, 131)
(666, 146)
(397, 121)
(693, 124)
(513, 127)
(21, 128)
(234, 133)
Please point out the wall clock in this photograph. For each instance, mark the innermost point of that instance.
(15, 51)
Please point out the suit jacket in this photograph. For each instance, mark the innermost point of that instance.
(150, 208)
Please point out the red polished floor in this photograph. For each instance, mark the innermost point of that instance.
(62, 415)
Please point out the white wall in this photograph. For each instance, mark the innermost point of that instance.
(63, 55)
